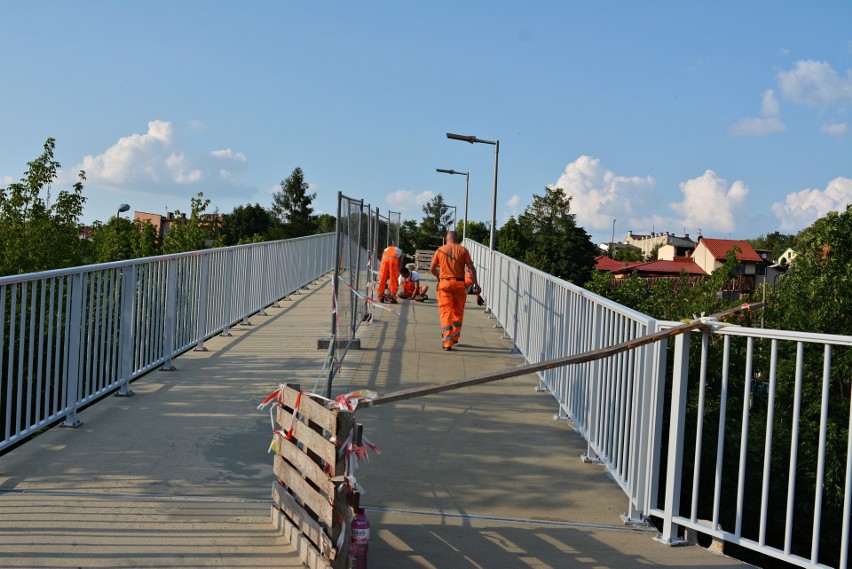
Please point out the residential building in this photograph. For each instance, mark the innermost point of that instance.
(710, 254)
(681, 245)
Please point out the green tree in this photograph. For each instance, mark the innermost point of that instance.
(512, 240)
(38, 234)
(476, 231)
(192, 234)
(652, 254)
(437, 217)
(556, 244)
(325, 223)
(292, 205)
(144, 240)
(111, 241)
(776, 242)
(631, 254)
(247, 222)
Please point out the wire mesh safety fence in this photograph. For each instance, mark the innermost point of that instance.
(70, 336)
(739, 433)
(359, 236)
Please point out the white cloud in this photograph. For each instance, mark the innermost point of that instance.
(767, 123)
(800, 209)
(153, 163)
(5, 181)
(227, 153)
(834, 129)
(405, 200)
(710, 204)
(599, 195)
(815, 83)
(513, 203)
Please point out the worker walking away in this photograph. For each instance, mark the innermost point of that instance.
(448, 266)
(389, 274)
(409, 282)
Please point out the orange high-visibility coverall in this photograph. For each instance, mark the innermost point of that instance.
(389, 270)
(452, 293)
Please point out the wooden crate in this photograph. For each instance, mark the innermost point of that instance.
(423, 258)
(308, 507)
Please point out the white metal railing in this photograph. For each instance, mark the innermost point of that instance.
(69, 336)
(548, 318)
(636, 410)
(767, 394)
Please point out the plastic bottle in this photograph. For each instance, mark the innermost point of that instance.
(360, 541)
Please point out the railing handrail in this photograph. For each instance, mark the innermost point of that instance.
(26, 277)
(70, 336)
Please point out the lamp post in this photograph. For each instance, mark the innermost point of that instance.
(612, 241)
(121, 209)
(496, 144)
(466, 191)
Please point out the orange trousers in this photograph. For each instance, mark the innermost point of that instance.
(452, 295)
(388, 271)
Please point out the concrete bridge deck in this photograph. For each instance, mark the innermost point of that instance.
(178, 475)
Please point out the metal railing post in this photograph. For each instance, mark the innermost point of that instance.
(204, 282)
(677, 426)
(72, 368)
(126, 329)
(170, 315)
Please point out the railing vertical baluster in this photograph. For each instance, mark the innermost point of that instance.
(72, 365)
(767, 447)
(201, 325)
(720, 445)
(738, 527)
(847, 494)
(169, 316)
(794, 450)
(677, 426)
(127, 325)
(699, 431)
(820, 475)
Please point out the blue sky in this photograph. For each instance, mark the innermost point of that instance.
(728, 117)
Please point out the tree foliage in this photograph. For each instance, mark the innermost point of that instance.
(476, 230)
(776, 242)
(547, 237)
(292, 205)
(37, 233)
(248, 223)
(437, 217)
(192, 234)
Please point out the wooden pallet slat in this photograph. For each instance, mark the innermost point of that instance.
(310, 509)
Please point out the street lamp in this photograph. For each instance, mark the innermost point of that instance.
(612, 242)
(121, 209)
(496, 144)
(466, 190)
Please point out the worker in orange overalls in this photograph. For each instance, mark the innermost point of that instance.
(409, 282)
(389, 271)
(448, 266)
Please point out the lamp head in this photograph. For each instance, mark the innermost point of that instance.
(123, 207)
(470, 139)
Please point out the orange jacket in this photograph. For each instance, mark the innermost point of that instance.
(452, 258)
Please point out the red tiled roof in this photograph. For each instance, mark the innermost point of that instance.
(604, 263)
(665, 267)
(719, 249)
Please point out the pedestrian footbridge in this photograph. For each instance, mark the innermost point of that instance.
(132, 436)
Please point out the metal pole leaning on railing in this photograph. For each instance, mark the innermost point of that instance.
(593, 355)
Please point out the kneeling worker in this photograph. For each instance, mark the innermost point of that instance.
(409, 283)
(452, 259)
